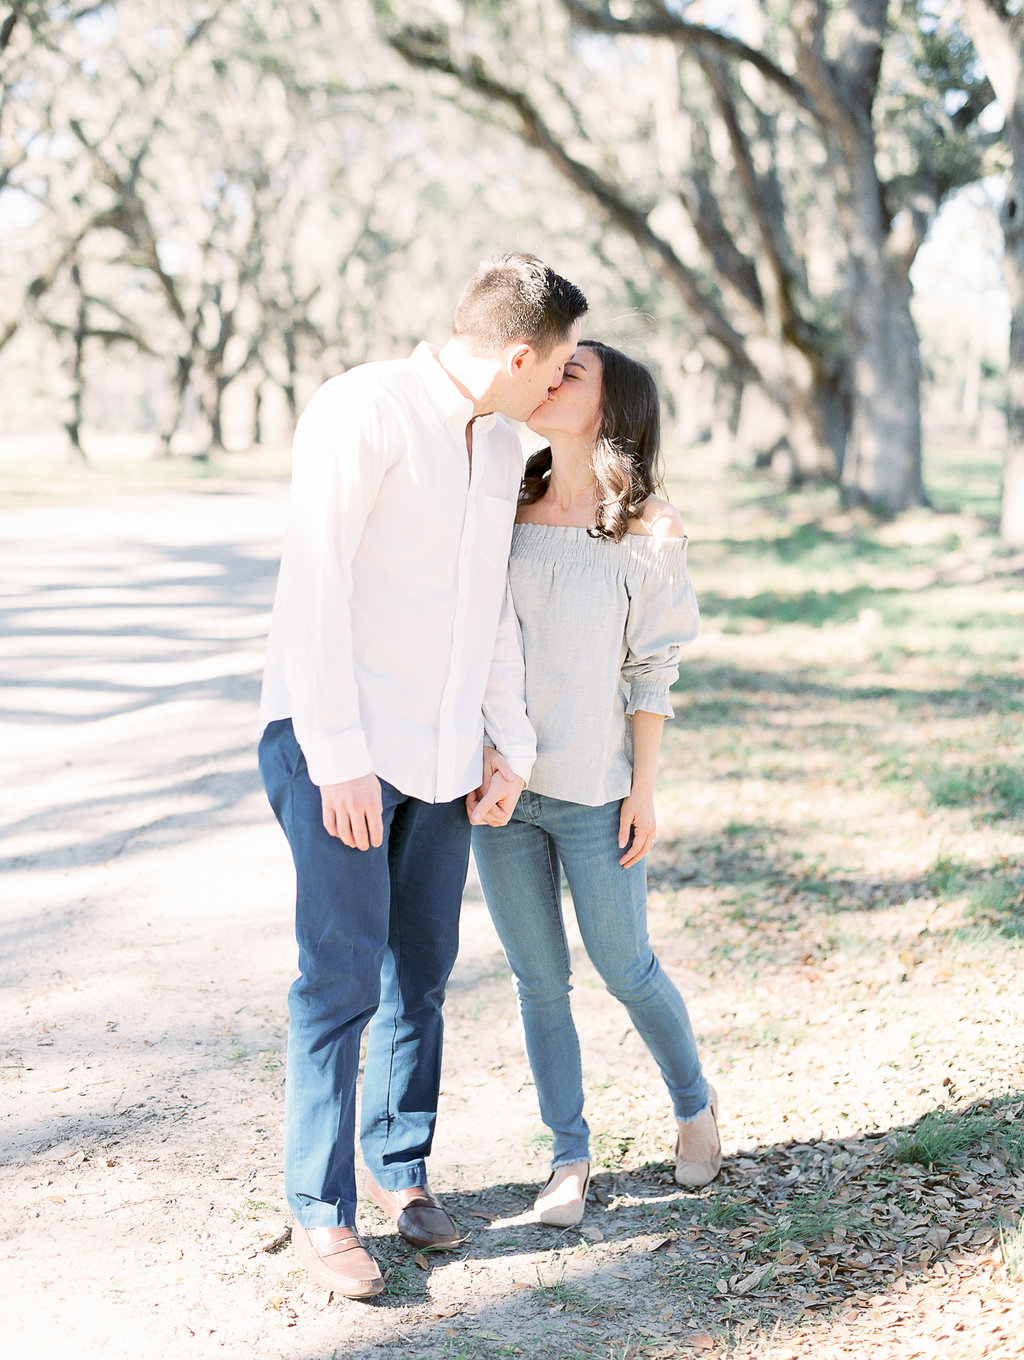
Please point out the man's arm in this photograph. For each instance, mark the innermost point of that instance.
(339, 462)
(509, 761)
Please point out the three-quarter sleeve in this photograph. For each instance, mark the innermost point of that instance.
(662, 615)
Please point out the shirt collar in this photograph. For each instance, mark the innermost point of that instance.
(441, 389)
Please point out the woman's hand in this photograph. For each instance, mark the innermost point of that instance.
(636, 819)
(494, 802)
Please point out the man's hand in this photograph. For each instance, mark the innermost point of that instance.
(494, 802)
(352, 811)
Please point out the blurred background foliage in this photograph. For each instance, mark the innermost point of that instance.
(790, 209)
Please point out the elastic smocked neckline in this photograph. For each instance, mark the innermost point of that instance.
(565, 542)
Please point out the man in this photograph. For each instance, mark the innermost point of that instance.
(392, 647)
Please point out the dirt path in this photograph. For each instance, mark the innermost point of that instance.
(147, 951)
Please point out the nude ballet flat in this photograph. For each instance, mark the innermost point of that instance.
(698, 1147)
(561, 1203)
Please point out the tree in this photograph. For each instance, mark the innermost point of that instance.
(998, 32)
(804, 193)
(244, 198)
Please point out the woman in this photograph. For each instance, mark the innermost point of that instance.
(598, 576)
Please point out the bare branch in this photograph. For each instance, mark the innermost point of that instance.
(425, 49)
(660, 22)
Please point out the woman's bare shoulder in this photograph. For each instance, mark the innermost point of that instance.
(658, 519)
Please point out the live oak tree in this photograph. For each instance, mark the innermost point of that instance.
(246, 199)
(249, 198)
(780, 177)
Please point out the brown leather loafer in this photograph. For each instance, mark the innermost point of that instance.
(421, 1219)
(336, 1257)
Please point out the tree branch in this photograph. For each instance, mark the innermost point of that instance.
(428, 50)
(660, 22)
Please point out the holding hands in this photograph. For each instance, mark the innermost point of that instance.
(493, 803)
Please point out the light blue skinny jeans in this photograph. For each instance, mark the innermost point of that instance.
(520, 872)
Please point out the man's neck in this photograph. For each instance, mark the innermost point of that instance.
(473, 376)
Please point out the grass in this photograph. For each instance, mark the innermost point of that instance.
(803, 1221)
(941, 1141)
(253, 1208)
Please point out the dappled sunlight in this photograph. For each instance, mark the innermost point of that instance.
(837, 889)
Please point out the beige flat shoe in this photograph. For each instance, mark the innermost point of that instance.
(562, 1201)
(698, 1147)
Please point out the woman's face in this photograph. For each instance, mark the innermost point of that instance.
(574, 407)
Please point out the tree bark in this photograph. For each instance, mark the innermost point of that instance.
(73, 423)
(882, 465)
(998, 37)
(1011, 519)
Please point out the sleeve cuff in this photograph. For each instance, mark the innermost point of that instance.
(522, 766)
(650, 696)
(520, 758)
(333, 760)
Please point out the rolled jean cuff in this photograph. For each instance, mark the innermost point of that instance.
(689, 1118)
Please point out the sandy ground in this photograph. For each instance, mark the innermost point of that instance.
(146, 919)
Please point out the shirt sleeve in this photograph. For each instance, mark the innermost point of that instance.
(663, 614)
(339, 461)
(506, 725)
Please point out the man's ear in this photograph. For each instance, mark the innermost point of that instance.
(516, 357)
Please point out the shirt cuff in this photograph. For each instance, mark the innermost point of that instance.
(522, 765)
(335, 760)
(650, 696)
(520, 758)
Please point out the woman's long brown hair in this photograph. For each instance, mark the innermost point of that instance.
(625, 454)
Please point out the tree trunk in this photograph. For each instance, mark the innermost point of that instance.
(73, 424)
(883, 455)
(882, 462)
(216, 415)
(257, 416)
(182, 379)
(818, 431)
(998, 36)
(1011, 525)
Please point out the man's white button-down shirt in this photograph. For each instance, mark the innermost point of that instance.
(393, 642)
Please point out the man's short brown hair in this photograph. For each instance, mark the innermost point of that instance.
(516, 297)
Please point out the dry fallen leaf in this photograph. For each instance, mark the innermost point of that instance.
(750, 1281)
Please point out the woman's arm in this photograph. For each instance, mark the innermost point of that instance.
(637, 816)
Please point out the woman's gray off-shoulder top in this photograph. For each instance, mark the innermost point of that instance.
(602, 625)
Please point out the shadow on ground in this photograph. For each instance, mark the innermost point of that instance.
(791, 1234)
